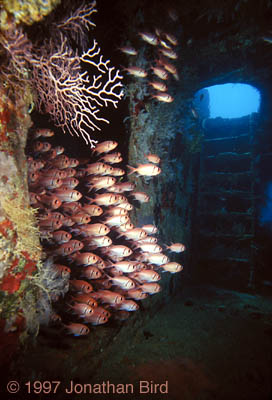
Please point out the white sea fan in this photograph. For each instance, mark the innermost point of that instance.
(37, 311)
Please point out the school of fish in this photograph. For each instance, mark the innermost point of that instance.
(83, 211)
(165, 44)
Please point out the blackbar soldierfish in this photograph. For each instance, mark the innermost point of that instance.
(81, 286)
(105, 147)
(77, 329)
(172, 267)
(176, 247)
(149, 38)
(145, 170)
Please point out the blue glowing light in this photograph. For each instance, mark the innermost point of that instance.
(233, 100)
(266, 212)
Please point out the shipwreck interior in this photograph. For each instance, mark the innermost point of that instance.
(206, 334)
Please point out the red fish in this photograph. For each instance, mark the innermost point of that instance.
(153, 158)
(158, 86)
(70, 172)
(44, 132)
(33, 177)
(92, 209)
(118, 250)
(77, 329)
(176, 247)
(150, 228)
(136, 71)
(33, 198)
(160, 72)
(62, 270)
(125, 227)
(127, 305)
(116, 210)
(148, 239)
(55, 318)
(81, 218)
(169, 67)
(124, 187)
(49, 182)
(149, 38)
(61, 236)
(149, 247)
(136, 233)
(105, 147)
(145, 170)
(61, 162)
(73, 162)
(101, 182)
(50, 224)
(97, 241)
(84, 258)
(127, 206)
(35, 165)
(172, 267)
(55, 173)
(107, 296)
(164, 97)
(41, 147)
(136, 294)
(169, 53)
(123, 282)
(128, 50)
(146, 275)
(67, 222)
(91, 272)
(64, 249)
(96, 319)
(70, 182)
(81, 309)
(76, 244)
(59, 150)
(81, 286)
(171, 38)
(116, 220)
(111, 158)
(117, 172)
(140, 196)
(68, 195)
(150, 287)
(85, 298)
(72, 207)
(93, 229)
(97, 168)
(156, 258)
(125, 266)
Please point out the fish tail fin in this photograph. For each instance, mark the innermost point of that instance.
(90, 188)
(90, 200)
(72, 257)
(108, 276)
(131, 169)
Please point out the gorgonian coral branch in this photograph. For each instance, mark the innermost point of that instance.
(66, 93)
(78, 22)
(18, 47)
(64, 90)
